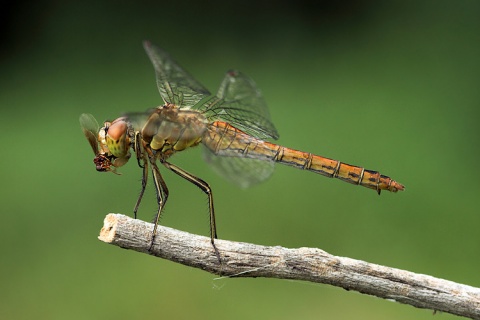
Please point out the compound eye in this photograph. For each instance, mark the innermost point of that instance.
(117, 130)
(116, 139)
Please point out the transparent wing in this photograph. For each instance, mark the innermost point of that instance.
(244, 172)
(240, 103)
(138, 119)
(174, 84)
(90, 129)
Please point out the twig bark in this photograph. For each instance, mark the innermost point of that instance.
(308, 264)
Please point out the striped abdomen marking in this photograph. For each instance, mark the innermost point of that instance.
(336, 169)
(225, 140)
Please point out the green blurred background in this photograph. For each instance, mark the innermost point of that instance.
(392, 86)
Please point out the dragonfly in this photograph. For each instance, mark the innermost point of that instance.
(233, 125)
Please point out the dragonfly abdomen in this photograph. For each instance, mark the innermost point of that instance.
(337, 169)
(226, 140)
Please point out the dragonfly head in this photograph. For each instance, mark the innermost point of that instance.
(114, 140)
(110, 143)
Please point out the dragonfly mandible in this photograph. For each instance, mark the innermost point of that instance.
(233, 125)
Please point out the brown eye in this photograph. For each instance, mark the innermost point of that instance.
(117, 130)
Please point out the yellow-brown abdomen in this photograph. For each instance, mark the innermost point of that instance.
(226, 140)
(336, 169)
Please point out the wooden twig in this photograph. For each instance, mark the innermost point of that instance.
(308, 264)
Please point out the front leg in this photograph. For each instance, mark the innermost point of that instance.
(161, 192)
(141, 156)
(144, 185)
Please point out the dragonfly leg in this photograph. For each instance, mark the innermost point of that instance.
(144, 185)
(140, 156)
(138, 149)
(162, 194)
(206, 189)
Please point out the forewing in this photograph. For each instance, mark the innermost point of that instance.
(244, 172)
(240, 103)
(174, 84)
(138, 119)
(90, 130)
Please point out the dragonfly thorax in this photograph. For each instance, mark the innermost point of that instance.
(170, 129)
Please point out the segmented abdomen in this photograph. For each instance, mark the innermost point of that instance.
(226, 140)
